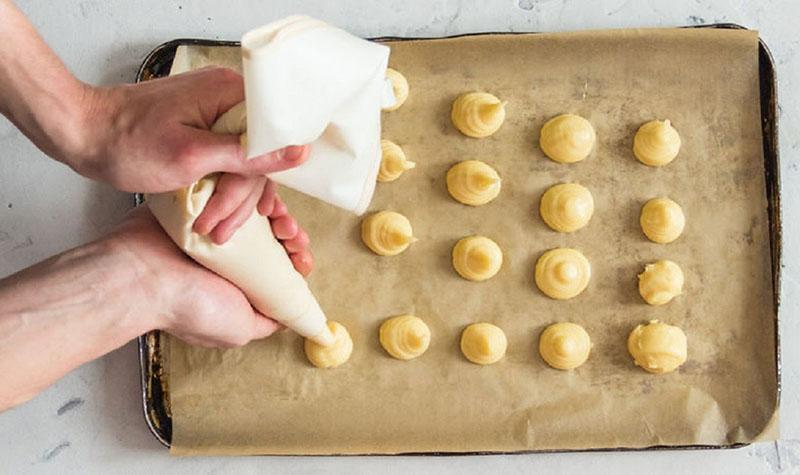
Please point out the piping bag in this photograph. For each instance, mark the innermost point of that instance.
(306, 82)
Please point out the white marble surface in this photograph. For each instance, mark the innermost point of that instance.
(91, 420)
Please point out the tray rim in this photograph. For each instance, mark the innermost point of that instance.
(155, 411)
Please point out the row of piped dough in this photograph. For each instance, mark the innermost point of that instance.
(655, 347)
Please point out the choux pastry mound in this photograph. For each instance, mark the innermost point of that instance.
(564, 345)
(478, 114)
(473, 182)
(393, 162)
(660, 282)
(477, 258)
(562, 273)
(483, 343)
(566, 207)
(334, 355)
(567, 138)
(656, 143)
(662, 220)
(405, 337)
(657, 347)
(387, 233)
(399, 88)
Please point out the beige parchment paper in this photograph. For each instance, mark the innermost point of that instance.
(266, 399)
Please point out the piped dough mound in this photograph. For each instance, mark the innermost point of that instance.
(477, 258)
(399, 88)
(562, 273)
(656, 143)
(662, 220)
(483, 343)
(393, 162)
(564, 345)
(473, 182)
(567, 138)
(333, 355)
(478, 114)
(660, 282)
(566, 207)
(387, 233)
(657, 347)
(405, 337)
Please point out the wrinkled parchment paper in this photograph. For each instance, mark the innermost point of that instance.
(266, 399)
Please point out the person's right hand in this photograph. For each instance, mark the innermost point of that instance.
(188, 300)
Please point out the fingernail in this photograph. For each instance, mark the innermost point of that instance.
(294, 153)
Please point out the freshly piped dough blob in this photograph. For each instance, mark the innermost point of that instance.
(660, 282)
(393, 162)
(562, 273)
(564, 345)
(399, 87)
(478, 114)
(387, 233)
(567, 138)
(405, 337)
(656, 143)
(662, 220)
(333, 355)
(566, 207)
(477, 258)
(657, 347)
(483, 343)
(473, 182)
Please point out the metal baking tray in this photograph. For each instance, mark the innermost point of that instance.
(154, 381)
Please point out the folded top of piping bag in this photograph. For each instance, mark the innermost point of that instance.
(307, 82)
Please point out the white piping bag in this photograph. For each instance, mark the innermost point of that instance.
(306, 82)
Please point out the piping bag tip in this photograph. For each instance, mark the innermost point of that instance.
(324, 338)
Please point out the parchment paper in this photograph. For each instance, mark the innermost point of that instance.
(266, 399)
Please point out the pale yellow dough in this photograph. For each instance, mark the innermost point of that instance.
(478, 114)
(662, 220)
(483, 343)
(566, 207)
(660, 282)
(393, 162)
(387, 233)
(334, 355)
(399, 87)
(656, 143)
(473, 182)
(477, 258)
(405, 337)
(567, 138)
(657, 347)
(565, 345)
(562, 273)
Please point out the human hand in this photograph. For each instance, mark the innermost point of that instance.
(154, 137)
(189, 301)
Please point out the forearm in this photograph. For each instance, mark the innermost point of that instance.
(37, 92)
(64, 312)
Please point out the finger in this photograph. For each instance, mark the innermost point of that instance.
(217, 89)
(284, 227)
(278, 160)
(298, 243)
(264, 326)
(225, 229)
(279, 208)
(303, 261)
(231, 191)
(267, 200)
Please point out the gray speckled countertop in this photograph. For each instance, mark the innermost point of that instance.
(91, 421)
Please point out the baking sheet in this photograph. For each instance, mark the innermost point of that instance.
(265, 398)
